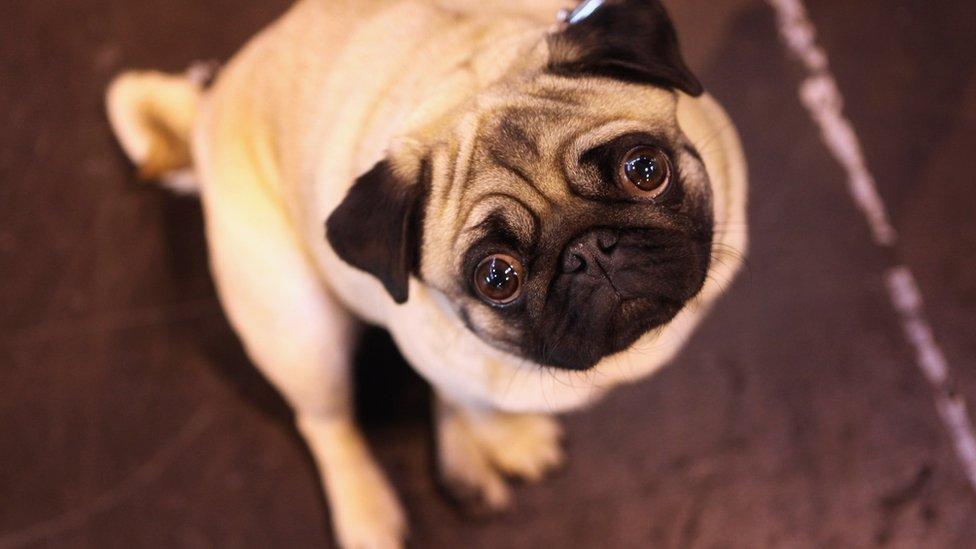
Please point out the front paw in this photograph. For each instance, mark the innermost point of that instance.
(478, 450)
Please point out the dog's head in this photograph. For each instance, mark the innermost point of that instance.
(562, 212)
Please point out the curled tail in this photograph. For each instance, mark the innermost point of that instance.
(152, 115)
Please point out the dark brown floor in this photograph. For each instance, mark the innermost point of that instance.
(129, 416)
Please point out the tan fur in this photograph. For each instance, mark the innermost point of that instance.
(167, 151)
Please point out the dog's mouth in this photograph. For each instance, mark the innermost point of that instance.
(616, 327)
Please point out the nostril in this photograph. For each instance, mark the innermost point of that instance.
(573, 262)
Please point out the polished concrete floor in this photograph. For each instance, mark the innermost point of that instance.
(130, 417)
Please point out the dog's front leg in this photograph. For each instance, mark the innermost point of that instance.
(478, 448)
(301, 339)
(365, 511)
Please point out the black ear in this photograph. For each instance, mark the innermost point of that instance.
(377, 227)
(632, 40)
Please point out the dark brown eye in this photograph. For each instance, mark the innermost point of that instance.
(498, 279)
(645, 172)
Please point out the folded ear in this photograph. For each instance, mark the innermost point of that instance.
(632, 40)
(377, 227)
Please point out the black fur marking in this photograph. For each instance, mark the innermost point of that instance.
(377, 227)
(615, 294)
(498, 226)
(515, 136)
(607, 158)
(630, 40)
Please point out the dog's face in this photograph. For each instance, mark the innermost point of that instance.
(563, 212)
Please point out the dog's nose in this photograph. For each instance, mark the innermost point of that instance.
(588, 252)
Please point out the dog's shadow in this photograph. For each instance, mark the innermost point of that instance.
(387, 390)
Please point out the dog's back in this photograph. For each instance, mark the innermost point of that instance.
(154, 114)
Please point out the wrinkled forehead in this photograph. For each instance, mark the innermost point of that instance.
(527, 140)
(537, 114)
(507, 160)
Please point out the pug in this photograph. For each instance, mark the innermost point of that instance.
(536, 209)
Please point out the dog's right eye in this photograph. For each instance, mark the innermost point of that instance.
(498, 279)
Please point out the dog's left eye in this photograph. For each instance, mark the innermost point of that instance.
(645, 172)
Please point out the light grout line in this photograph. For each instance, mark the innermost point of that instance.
(821, 96)
(931, 360)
